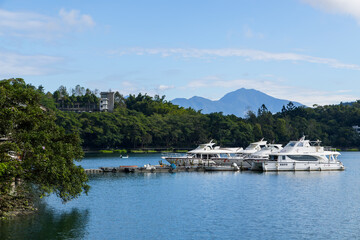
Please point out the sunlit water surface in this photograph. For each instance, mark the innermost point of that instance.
(198, 205)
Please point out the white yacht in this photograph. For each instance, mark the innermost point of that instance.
(203, 154)
(241, 155)
(301, 155)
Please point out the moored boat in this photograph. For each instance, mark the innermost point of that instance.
(240, 157)
(202, 155)
(301, 155)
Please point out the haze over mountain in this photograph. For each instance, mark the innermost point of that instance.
(238, 102)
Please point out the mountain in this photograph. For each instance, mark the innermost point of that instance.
(238, 103)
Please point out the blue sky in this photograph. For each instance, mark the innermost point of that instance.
(301, 50)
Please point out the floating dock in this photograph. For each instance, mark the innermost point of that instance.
(155, 169)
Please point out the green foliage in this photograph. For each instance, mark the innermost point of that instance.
(143, 151)
(121, 151)
(149, 122)
(80, 98)
(181, 151)
(352, 150)
(141, 122)
(35, 149)
(106, 151)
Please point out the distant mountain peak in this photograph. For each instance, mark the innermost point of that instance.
(237, 102)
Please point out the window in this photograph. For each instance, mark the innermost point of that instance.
(303, 157)
(291, 144)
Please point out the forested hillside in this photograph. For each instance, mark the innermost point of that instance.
(141, 121)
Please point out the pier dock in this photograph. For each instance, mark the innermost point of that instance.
(156, 169)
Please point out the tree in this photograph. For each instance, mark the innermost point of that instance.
(281, 130)
(119, 100)
(78, 91)
(35, 149)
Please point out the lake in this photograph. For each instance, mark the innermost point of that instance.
(198, 205)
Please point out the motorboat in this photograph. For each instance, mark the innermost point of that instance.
(202, 155)
(241, 155)
(301, 155)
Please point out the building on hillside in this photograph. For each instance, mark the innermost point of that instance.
(77, 107)
(107, 101)
(356, 128)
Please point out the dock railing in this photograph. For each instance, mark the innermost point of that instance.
(172, 155)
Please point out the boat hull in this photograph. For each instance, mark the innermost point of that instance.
(230, 161)
(268, 166)
(221, 168)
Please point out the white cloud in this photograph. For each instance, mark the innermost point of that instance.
(275, 88)
(248, 54)
(165, 87)
(74, 18)
(135, 87)
(33, 25)
(16, 65)
(130, 83)
(347, 7)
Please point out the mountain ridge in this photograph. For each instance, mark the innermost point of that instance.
(245, 100)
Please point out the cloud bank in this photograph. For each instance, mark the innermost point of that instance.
(248, 54)
(16, 65)
(347, 7)
(33, 25)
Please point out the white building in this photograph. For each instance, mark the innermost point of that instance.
(107, 101)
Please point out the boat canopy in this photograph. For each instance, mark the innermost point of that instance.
(208, 148)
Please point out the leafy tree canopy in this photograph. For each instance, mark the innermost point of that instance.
(33, 147)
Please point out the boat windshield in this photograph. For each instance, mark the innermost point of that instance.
(251, 146)
(291, 144)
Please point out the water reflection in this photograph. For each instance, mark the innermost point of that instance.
(46, 224)
(303, 174)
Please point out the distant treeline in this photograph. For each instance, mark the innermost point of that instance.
(141, 121)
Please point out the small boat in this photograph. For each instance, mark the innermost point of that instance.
(121, 156)
(149, 167)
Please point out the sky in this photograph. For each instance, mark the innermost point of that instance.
(300, 50)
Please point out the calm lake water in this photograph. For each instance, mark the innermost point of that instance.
(197, 205)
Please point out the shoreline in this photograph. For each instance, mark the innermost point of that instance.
(136, 150)
(167, 150)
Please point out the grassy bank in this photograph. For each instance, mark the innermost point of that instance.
(126, 151)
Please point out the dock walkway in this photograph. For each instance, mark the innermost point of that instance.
(151, 169)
